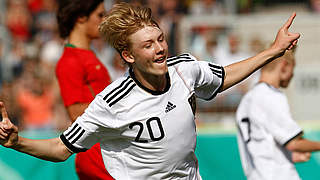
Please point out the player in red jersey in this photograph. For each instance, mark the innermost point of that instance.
(80, 73)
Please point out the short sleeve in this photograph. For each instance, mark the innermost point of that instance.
(209, 78)
(278, 120)
(204, 78)
(88, 129)
(70, 75)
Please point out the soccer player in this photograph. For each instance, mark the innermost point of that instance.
(145, 120)
(80, 73)
(269, 140)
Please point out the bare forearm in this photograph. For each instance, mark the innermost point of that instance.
(46, 149)
(237, 72)
(303, 145)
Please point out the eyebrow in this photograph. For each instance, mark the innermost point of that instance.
(150, 40)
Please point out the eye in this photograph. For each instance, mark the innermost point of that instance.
(102, 14)
(148, 46)
(161, 38)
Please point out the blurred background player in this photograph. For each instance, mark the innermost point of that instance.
(269, 140)
(80, 73)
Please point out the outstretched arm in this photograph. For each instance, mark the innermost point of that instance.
(46, 149)
(285, 40)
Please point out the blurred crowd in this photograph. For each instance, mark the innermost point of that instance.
(30, 46)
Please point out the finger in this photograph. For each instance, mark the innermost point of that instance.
(3, 127)
(3, 137)
(294, 35)
(3, 134)
(3, 111)
(8, 126)
(289, 21)
(295, 42)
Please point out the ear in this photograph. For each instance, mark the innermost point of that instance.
(284, 64)
(82, 19)
(127, 56)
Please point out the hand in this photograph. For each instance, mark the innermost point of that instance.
(285, 40)
(8, 131)
(300, 156)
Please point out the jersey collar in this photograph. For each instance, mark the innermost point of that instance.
(270, 86)
(149, 90)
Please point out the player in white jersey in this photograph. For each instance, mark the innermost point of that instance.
(148, 134)
(145, 120)
(269, 140)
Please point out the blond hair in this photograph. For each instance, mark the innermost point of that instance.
(123, 20)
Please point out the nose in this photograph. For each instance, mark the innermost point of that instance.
(159, 48)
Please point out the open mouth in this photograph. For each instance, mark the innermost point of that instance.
(160, 60)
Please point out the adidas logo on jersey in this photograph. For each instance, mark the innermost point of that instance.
(170, 106)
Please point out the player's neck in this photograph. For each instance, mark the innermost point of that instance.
(270, 79)
(79, 40)
(152, 82)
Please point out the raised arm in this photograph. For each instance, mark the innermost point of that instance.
(46, 149)
(284, 40)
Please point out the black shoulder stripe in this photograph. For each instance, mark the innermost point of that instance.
(217, 74)
(178, 57)
(73, 128)
(221, 85)
(75, 139)
(70, 146)
(120, 90)
(184, 54)
(124, 94)
(216, 71)
(105, 97)
(73, 134)
(214, 66)
(179, 61)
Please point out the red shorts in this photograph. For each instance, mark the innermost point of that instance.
(90, 166)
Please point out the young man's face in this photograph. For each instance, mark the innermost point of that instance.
(149, 51)
(93, 21)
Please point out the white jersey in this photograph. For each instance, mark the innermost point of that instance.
(265, 126)
(147, 134)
